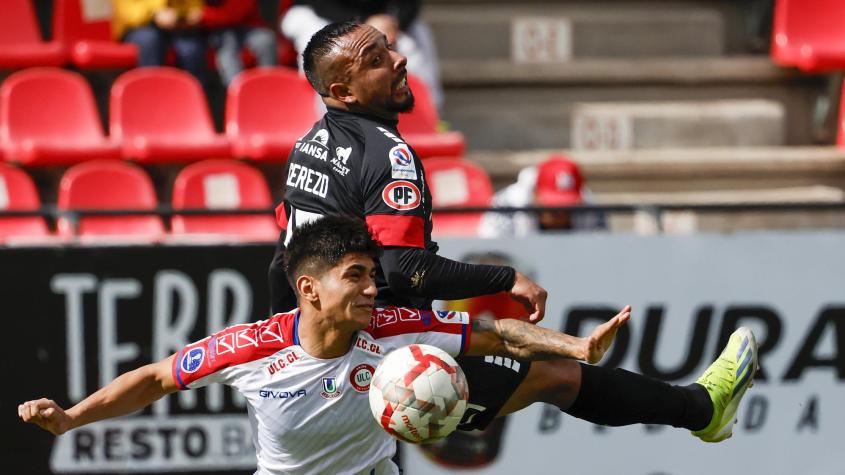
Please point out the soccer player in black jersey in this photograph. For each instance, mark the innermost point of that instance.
(354, 162)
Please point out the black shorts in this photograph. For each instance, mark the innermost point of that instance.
(491, 380)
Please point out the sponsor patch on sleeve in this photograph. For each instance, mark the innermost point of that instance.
(192, 360)
(401, 195)
(402, 162)
(452, 317)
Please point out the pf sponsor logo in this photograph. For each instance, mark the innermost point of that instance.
(330, 388)
(192, 360)
(361, 376)
(401, 195)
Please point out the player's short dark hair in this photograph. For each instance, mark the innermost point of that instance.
(321, 45)
(320, 245)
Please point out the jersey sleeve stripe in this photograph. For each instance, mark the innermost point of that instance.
(394, 230)
(281, 216)
(177, 371)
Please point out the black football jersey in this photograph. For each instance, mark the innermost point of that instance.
(357, 165)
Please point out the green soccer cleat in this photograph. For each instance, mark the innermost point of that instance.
(726, 381)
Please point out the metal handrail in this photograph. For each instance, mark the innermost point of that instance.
(167, 211)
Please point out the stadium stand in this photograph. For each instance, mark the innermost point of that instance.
(48, 117)
(21, 44)
(808, 34)
(267, 110)
(160, 114)
(109, 185)
(18, 193)
(456, 183)
(698, 118)
(223, 184)
(89, 40)
(419, 127)
(506, 91)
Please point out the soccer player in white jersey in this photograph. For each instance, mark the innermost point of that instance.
(309, 413)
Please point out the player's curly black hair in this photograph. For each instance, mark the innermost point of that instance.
(320, 245)
(321, 45)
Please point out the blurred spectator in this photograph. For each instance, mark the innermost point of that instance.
(759, 17)
(555, 182)
(233, 24)
(156, 25)
(397, 19)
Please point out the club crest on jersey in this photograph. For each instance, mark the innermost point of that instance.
(192, 360)
(361, 376)
(402, 162)
(330, 389)
(401, 195)
(452, 317)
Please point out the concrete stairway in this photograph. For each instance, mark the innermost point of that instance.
(518, 74)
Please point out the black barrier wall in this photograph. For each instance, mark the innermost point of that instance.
(77, 317)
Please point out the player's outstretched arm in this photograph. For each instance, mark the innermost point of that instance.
(518, 339)
(128, 393)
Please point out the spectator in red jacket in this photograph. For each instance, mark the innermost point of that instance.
(233, 25)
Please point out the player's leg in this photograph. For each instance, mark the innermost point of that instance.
(554, 382)
(617, 397)
(492, 380)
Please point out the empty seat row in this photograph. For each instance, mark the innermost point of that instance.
(48, 117)
(210, 184)
(117, 185)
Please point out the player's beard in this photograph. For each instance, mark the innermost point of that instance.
(405, 105)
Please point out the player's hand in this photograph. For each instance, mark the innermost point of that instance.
(530, 295)
(597, 344)
(46, 414)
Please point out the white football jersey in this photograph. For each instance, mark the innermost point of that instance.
(312, 415)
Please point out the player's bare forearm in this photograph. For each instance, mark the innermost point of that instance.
(518, 339)
(128, 393)
(521, 340)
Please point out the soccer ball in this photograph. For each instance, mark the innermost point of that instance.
(418, 393)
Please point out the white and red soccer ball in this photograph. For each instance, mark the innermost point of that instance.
(418, 393)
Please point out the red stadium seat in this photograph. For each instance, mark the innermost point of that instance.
(160, 115)
(17, 193)
(21, 45)
(419, 127)
(109, 184)
(223, 184)
(48, 117)
(809, 34)
(88, 37)
(267, 111)
(457, 183)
